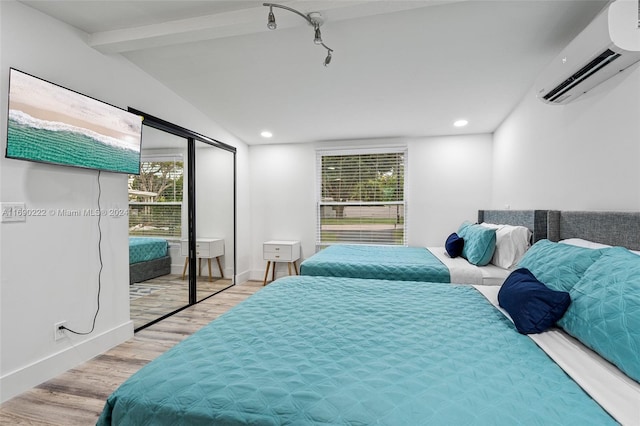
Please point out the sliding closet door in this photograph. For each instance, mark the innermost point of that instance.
(198, 210)
(157, 228)
(214, 196)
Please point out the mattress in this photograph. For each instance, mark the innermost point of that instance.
(142, 249)
(376, 262)
(324, 350)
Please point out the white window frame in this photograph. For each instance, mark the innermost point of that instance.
(320, 203)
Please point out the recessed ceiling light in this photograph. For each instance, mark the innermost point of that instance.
(461, 123)
(266, 134)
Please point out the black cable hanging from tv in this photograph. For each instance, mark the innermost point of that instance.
(93, 325)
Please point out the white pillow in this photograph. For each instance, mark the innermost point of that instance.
(579, 242)
(589, 244)
(511, 244)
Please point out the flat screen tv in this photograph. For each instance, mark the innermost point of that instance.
(48, 123)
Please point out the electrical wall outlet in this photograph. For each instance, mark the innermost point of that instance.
(58, 333)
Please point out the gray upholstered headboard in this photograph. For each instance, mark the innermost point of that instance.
(535, 220)
(612, 228)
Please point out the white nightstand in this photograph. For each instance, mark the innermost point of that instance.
(280, 251)
(206, 248)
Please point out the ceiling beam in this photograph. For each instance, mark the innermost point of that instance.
(241, 22)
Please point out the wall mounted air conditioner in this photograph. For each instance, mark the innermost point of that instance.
(608, 45)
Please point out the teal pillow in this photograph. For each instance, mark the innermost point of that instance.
(464, 224)
(559, 266)
(479, 243)
(605, 310)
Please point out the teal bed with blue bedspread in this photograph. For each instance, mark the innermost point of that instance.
(142, 249)
(376, 262)
(408, 263)
(325, 350)
(148, 258)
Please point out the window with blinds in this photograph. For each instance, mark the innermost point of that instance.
(155, 197)
(361, 197)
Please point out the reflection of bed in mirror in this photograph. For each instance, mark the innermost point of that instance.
(148, 258)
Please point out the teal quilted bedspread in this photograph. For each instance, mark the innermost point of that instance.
(320, 350)
(142, 249)
(378, 262)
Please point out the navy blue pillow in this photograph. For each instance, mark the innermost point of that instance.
(454, 245)
(533, 306)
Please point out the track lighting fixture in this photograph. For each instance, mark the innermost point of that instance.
(327, 60)
(318, 37)
(271, 24)
(313, 18)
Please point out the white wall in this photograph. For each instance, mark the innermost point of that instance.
(581, 156)
(282, 182)
(49, 265)
(243, 214)
(449, 180)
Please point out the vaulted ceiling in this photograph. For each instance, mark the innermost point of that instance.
(399, 68)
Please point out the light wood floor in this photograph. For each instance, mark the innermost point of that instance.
(77, 396)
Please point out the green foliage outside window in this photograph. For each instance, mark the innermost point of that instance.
(367, 177)
(155, 199)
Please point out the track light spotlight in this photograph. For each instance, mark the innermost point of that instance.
(271, 21)
(313, 18)
(327, 60)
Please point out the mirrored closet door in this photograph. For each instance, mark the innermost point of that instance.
(181, 221)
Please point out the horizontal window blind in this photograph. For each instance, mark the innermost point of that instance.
(155, 219)
(361, 197)
(155, 197)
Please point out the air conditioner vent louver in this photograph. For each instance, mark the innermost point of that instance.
(602, 60)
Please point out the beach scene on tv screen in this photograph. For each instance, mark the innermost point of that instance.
(51, 124)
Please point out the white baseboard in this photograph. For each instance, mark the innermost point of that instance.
(18, 381)
(177, 269)
(243, 277)
(257, 275)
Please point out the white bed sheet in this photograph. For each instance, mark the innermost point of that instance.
(462, 272)
(493, 275)
(618, 394)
